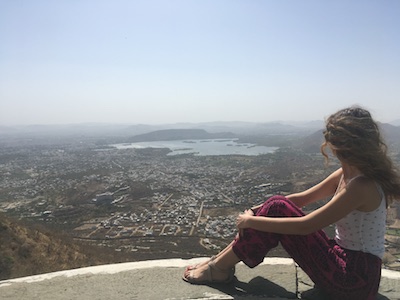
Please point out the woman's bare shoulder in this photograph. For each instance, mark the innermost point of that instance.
(334, 177)
(367, 191)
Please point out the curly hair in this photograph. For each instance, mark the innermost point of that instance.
(355, 138)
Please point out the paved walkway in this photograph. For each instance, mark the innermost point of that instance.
(276, 278)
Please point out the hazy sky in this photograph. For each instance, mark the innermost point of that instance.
(168, 61)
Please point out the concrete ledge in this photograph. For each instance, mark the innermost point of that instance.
(276, 278)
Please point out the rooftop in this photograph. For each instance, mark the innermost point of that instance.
(276, 278)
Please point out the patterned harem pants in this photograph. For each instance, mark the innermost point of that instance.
(341, 273)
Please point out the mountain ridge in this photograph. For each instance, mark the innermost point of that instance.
(179, 134)
(129, 130)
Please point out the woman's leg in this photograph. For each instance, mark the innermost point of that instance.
(253, 245)
(210, 259)
(219, 269)
(341, 273)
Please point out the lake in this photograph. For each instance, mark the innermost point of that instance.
(202, 147)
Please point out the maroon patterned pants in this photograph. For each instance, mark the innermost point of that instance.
(341, 273)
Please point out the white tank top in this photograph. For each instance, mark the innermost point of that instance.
(364, 231)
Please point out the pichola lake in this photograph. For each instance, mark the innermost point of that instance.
(203, 147)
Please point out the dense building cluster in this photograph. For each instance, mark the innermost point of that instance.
(130, 193)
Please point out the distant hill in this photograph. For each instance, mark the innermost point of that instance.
(266, 128)
(392, 136)
(7, 130)
(391, 132)
(312, 143)
(395, 122)
(106, 129)
(179, 134)
(206, 130)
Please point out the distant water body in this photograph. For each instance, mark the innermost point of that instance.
(203, 147)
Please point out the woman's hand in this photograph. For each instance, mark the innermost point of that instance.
(243, 219)
(255, 209)
(249, 212)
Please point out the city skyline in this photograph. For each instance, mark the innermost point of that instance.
(163, 62)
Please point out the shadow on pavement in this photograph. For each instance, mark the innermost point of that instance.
(317, 294)
(262, 287)
(257, 286)
(382, 297)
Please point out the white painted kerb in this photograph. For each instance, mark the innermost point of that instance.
(121, 267)
(163, 263)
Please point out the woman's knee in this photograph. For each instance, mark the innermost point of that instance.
(277, 198)
(279, 206)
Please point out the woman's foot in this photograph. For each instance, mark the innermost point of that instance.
(208, 273)
(205, 263)
(227, 248)
(201, 264)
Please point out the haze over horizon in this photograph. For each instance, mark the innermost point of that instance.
(177, 61)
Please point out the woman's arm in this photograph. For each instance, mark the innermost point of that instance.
(342, 204)
(324, 189)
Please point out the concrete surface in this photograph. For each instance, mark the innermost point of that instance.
(276, 278)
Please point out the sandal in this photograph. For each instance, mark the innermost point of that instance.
(188, 268)
(209, 278)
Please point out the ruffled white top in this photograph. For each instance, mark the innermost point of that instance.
(364, 231)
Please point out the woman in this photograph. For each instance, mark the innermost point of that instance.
(349, 266)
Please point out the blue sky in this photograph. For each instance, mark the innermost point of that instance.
(169, 61)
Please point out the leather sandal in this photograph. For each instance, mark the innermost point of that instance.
(188, 268)
(197, 265)
(209, 275)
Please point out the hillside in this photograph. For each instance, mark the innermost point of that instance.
(28, 251)
(179, 134)
(312, 143)
(391, 134)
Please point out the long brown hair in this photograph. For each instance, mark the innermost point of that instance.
(355, 138)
